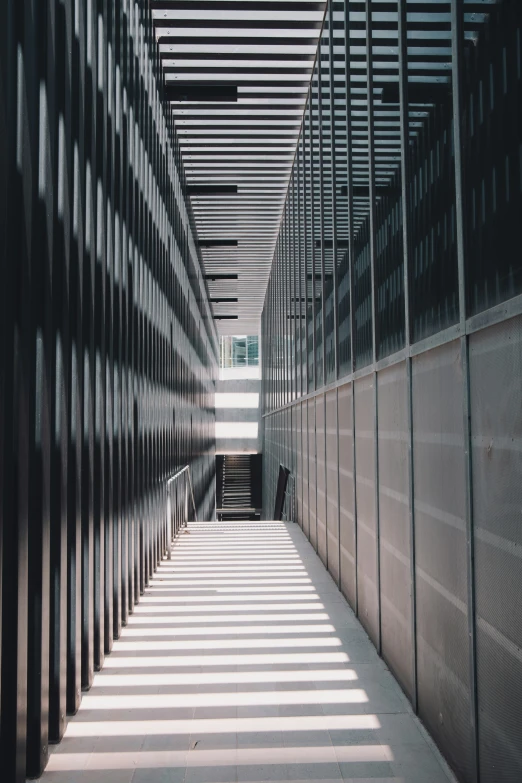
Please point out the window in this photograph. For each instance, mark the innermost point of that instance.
(239, 351)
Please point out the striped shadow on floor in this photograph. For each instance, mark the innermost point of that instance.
(243, 662)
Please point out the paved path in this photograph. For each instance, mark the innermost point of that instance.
(243, 662)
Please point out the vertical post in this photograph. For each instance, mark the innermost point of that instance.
(169, 524)
(103, 260)
(458, 65)
(6, 84)
(351, 265)
(61, 334)
(321, 209)
(339, 558)
(110, 413)
(334, 193)
(74, 555)
(406, 242)
(44, 247)
(312, 244)
(371, 176)
(186, 501)
(373, 263)
(88, 355)
(299, 287)
(295, 260)
(285, 280)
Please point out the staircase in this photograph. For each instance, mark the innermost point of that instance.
(236, 488)
(237, 481)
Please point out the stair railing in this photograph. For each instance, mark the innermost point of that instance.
(179, 489)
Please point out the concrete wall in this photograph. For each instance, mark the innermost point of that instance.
(238, 428)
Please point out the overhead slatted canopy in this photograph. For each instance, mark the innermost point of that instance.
(238, 73)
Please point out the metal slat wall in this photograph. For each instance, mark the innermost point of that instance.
(239, 72)
(108, 349)
(394, 523)
(415, 211)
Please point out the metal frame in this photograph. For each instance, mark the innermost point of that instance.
(408, 126)
(109, 348)
(497, 314)
(457, 45)
(171, 531)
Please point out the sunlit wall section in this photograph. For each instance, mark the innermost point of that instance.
(108, 352)
(398, 281)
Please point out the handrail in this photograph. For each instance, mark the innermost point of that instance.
(175, 476)
(188, 486)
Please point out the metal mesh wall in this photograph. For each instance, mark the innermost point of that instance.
(409, 191)
(440, 552)
(312, 468)
(367, 573)
(108, 350)
(496, 420)
(491, 156)
(394, 524)
(320, 445)
(332, 485)
(347, 532)
(306, 484)
(435, 670)
(299, 465)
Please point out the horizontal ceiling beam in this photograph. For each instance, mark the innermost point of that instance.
(200, 92)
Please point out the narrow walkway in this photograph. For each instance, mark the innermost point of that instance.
(243, 662)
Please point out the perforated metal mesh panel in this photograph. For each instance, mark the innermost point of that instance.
(346, 494)
(394, 524)
(366, 512)
(289, 450)
(312, 494)
(496, 421)
(440, 552)
(299, 466)
(332, 485)
(321, 476)
(306, 482)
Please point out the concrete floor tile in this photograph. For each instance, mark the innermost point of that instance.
(74, 745)
(199, 741)
(211, 774)
(366, 771)
(258, 711)
(317, 772)
(166, 742)
(119, 744)
(307, 738)
(254, 773)
(325, 738)
(417, 762)
(159, 775)
(261, 739)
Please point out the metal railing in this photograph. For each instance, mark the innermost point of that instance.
(178, 488)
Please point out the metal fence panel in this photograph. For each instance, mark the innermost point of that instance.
(306, 483)
(347, 532)
(332, 485)
(496, 421)
(299, 464)
(394, 524)
(367, 573)
(440, 552)
(312, 472)
(321, 476)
